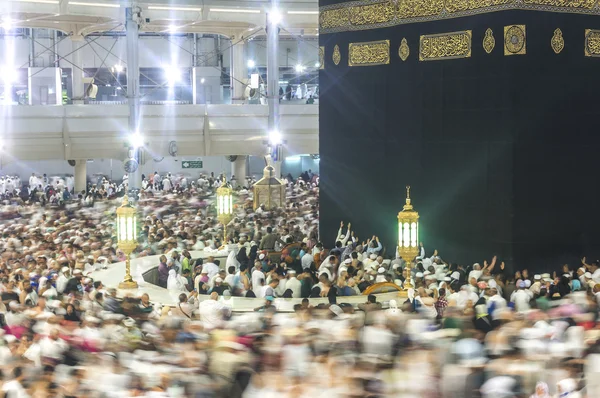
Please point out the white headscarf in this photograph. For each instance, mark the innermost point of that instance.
(174, 282)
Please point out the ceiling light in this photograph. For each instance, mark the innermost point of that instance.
(317, 65)
(202, 80)
(80, 3)
(274, 138)
(172, 74)
(9, 75)
(299, 68)
(118, 68)
(7, 24)
(251, 64)
(136, 140)
(303, 12)
(274, 16)
(234, 10)
(174, 8)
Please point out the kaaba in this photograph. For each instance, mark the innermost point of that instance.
(488, 109)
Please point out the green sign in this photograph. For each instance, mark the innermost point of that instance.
(191, 164)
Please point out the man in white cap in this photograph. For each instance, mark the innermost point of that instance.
(257, 276)
(293, 284)
(380, 275)
(476, 273)
(537, 284)
(521, 297)
(63, 278)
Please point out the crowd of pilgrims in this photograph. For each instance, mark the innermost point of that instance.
(481, 330)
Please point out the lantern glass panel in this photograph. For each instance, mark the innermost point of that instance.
(122, 228)
(129, 228)
(413, 234)
(406, 240)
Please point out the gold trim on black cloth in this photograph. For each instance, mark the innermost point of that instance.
(373, 14)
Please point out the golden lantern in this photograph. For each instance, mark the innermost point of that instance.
(269, 190)
(408, 235)
(127, 239)
(224, 206)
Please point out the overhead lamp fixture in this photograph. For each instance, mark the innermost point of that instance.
(317, 64)
(7, 24)
(172, 74)
(235, 10)
(118, 68)
(274, 16)
(202, 80)
(300, 68)
(173, 28)
(136, 140)
(274, 138)
(8, 75)
(251, 64)
(165, 8)
(106, 5)
(303, 12)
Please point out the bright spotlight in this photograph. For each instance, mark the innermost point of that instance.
(251, 63)
(173, 28)
(7, 24)
(172, 74)
(9, 75)
(274, 16)
(299, 68)
(118, 68)
(317, 64)
(136, 140)
(274, 138)
(202, 80)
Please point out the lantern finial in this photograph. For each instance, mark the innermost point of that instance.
(408, 206)
(125, 201)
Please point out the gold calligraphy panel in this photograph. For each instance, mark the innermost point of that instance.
(468, 5)
(419, 8)
(333, 18)
(369, 53)
(372, 14)
(592, 43)
(515, 40)
(445, 46)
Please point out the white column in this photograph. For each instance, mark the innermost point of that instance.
(273, 87)
(239, 168)
(133, 83)
(77, 70)
(80, 176)
(239, 70)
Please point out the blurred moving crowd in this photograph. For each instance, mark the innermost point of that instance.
(457, 331)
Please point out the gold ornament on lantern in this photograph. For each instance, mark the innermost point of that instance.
(408, 235)
(127, 239)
